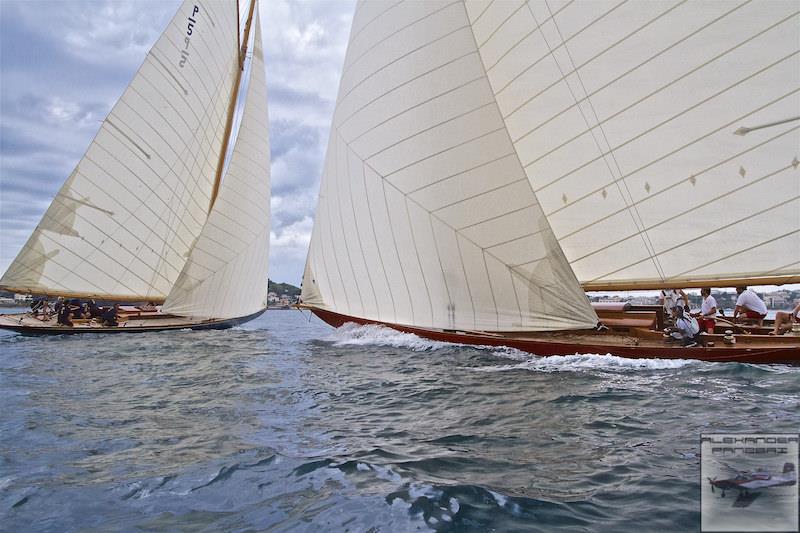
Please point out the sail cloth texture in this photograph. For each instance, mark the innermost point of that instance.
(226, 273)
(122, 225)
(425, 214)
(627, 117)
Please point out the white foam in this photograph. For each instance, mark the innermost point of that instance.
(354, 335)
(499, 498)
(418, 490)
(582, 362)
(5, 482)
(454, 506)
(386, 474)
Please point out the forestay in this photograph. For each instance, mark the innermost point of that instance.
(425, 214)
(638, 124)
(226, 273)
(122, 225)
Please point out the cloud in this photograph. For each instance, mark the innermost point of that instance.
(57, 86)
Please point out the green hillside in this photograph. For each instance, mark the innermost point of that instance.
(283, 289)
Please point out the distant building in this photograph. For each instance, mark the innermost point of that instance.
(775, 301)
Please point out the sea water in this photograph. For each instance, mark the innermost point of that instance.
(285, 424)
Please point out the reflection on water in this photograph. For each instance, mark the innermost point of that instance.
(290, 425)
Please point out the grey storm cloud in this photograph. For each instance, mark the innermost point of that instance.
(58, 86)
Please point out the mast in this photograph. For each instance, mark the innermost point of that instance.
(225, 275)
(232, 100)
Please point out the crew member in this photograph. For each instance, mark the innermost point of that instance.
(58, 305)
(784, 320)
(64, 316)
(110, 316)
(686, 329)
(708, 311)
(669, 298)
(95, 311)
(750, 306)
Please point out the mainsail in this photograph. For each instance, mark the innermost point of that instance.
(485, 157)
(144, 215)
(426, 216)
(660, 138)
(124, 223)
(225, 275)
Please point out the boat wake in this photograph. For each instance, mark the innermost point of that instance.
(352, 334)
(584, 362)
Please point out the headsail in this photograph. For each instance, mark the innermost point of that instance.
(226, 273)
(123, 224)
(661, 138)
(425, 214)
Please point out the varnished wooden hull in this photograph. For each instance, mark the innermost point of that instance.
(167, 324)
(780, 350)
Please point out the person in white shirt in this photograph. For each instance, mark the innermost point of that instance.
(784, 320)
(708, 311)
(749, 305)
(686, 329)
(669, 298)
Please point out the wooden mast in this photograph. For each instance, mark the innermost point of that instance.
(232, 104)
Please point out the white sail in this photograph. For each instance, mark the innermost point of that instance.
(425, 214)
(638, 125)
(226, 273)
(122, 225)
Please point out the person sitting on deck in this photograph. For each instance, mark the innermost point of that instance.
(84, 311)
(110, 316)
(64, 316)
(708, 311)
(785, 320)
(686, 329)
(95, 311)
(750, 306)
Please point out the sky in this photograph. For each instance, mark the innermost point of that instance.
(64, 64)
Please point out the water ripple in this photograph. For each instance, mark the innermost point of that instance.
(290, 426)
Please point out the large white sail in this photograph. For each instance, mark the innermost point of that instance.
(425, 214)
(226, 273)
(631, 120)
(122, 225)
